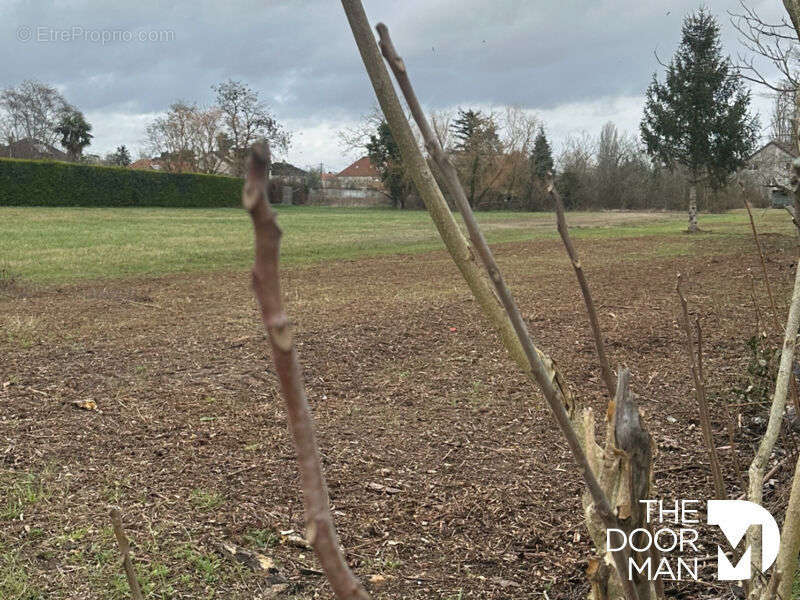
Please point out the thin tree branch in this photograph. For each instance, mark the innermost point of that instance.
(320, 530)
(561, 222)
(125, 551)
(790, 210)
(541, 372)
(699, 348)
(775, 468)
(729, 422)
(700, 395)
(792, 383)
(763, 262)
(755, 301)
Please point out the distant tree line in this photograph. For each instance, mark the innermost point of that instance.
(36, 118)
(504, 157)
(614, 171)
(696, 133)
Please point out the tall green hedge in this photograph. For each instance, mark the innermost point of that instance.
(52, 183)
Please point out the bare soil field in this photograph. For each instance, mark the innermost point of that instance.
(446, 474)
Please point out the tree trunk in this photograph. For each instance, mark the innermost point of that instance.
(786, 563)
(758, 467)
(693, 207)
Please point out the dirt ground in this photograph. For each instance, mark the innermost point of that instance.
(410, 390)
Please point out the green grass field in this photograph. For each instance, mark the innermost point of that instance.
(50, 245)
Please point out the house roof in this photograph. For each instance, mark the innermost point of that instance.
(31, 148)
(363, 167)
(284, 169)
(142, 163)
(787, 148)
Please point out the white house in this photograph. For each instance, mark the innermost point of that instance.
(771, 168)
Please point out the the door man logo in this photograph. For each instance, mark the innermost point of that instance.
(734, 517)
(672, 532)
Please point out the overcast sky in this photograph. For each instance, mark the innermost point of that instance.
(574, 63)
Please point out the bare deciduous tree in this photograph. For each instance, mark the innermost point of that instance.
(246, 119)
(441, 121)
(354, 139)
(189, 138)
(31, 110)
(208, 139)
(171, 137)
(783, 117)
(776, 43)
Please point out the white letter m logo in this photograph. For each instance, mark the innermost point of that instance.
(734, 517)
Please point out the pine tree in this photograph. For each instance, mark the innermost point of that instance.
(542, 156)
(466, 128)
(699, 118)
(477, 143)
(121, 157)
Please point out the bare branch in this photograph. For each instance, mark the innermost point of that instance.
(763, 262)
(320, 530)
(542, 373)
(755, 301)
(790, 210)
(125, 551)
(777, 43)
(561, 220)
(700, 395)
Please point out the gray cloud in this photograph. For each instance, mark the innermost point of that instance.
(543, 55)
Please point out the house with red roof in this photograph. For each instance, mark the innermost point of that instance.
(362, 174)
(359, 184)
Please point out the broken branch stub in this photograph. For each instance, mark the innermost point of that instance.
(320, 530)
(624, 469)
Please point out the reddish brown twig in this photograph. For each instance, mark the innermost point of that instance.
(561, 222)
(125, 551)
(700, 395)
(320, 530)
(763, 263)
(729, 422)
(541, 372)
(755, 301)
(793, 392)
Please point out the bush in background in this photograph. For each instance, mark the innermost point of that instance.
(52, 183)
